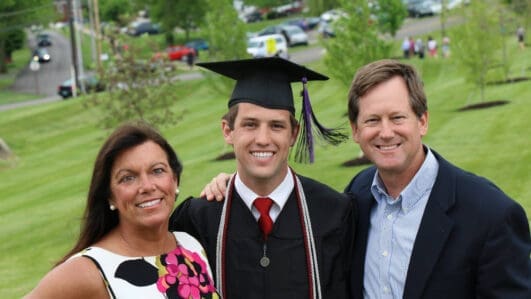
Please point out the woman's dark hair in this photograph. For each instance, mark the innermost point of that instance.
(98, 219)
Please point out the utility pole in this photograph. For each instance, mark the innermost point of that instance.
(78, 24)
(92, 30)
(99, 35)
(73, 45)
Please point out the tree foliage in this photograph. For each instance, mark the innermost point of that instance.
(267, 3)
(478, 44)
(357, 42)
(226, 34)
(16, 15)
(116, 10)
(316, 7)
(390, 15)
(137, 89)
(184, 14)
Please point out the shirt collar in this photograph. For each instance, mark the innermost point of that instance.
(421, 183)
(279, 195)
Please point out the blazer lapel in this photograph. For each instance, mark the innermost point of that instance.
(364, 202)
(434, 230)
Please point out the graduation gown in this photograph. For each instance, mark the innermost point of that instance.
(287, 275)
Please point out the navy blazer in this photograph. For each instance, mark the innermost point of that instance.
(473, 241)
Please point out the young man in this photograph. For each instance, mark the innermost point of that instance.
(278, 234)
(426, 228)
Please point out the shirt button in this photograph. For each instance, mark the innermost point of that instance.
(389, 216)
(385, 253)
(386, 290)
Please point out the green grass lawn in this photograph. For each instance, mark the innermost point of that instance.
(43, 188)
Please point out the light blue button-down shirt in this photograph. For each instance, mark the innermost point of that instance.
(392, 232)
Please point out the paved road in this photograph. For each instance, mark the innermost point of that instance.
(52, 74)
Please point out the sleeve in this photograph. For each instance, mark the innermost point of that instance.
(350, 232)
(181, 220)
(504, 269)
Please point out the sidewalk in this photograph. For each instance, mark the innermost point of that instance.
(29, 103)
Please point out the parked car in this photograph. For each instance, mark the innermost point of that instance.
(41, 55)
(255, 16)
(312, 22)
(300, 22)
(325, 29)
(268, 46)
(137, 28)
(90, 82)
(293, 34)
(420, 8)
(179, 52)
(197, 44)
(43, 40)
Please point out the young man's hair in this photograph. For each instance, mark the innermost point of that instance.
(230, 117)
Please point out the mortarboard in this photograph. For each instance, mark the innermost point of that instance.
(267, 82)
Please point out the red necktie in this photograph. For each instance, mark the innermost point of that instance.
(263, 205)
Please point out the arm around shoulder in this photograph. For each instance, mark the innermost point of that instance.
(75, 278)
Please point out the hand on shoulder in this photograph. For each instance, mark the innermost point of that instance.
(216, 188)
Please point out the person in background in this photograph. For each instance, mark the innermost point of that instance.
(432, 47)
(520, 34)
(124, 249)
(426, 228)
(190, 59)
(278, 234)
(445, 48)
(419, 48)
(412, 51)
(405, 47)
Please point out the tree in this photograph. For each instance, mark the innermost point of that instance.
(226, 35)
(16, 15)
(116, 10)
(184, 14)
(317, 7)
(137, 89)
(477, 44)
(390, 15)
(14, 41)
(358, 41)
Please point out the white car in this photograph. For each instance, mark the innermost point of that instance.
(268, 46)
(295, 35)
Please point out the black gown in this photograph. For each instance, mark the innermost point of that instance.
(332, 220)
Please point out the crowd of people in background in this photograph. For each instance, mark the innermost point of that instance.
(412, 47)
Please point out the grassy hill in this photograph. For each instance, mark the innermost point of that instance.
(43, 189)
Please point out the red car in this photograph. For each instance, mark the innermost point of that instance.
(180, 52)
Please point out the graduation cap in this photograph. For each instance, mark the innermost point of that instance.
(267, 82)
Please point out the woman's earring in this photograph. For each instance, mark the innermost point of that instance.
(177, 193)
(112, 207)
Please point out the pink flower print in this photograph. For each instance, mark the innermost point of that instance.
(185, 273)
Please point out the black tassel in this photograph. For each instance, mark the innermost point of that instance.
(305, 145)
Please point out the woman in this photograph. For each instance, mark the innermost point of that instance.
(124, 249)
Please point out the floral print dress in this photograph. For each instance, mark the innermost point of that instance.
(181, 273)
